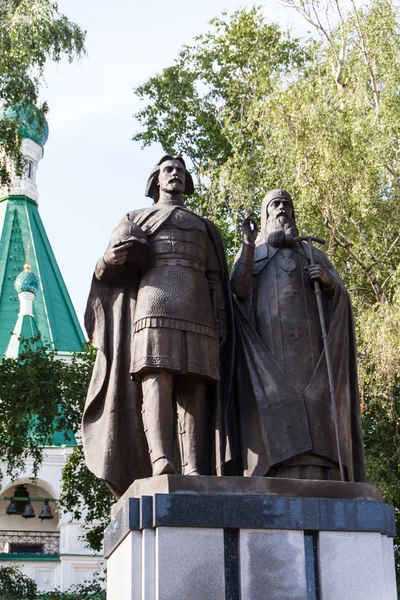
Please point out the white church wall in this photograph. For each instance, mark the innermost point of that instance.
(47, 575)
(74, 563)
(76, 570)
(72, 541)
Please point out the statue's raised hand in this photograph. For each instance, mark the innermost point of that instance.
(250, 229)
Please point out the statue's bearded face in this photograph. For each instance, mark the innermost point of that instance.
(281, 226)
(171, 178)
(280, 210)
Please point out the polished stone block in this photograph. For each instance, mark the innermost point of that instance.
(259, 486)
(189, 564)
(125, 520)
(351, 566)
(389, 574)
(272, 564)
(124, 568)
(248, 511)
(236, 546)
(148, 564)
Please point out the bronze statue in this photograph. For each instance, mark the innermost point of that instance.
(287, 409)
(157, 312)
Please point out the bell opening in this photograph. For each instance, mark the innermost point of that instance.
(20, 503)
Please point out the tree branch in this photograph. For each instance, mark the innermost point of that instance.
(368, 249)
(344, 242)
(326, 35)
(367, 61)
(341, 240)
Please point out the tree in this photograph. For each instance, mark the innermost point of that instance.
(86, 497)
(333, 135)
(40, 395)
(319, 117)
(89, 591)
(198, 107)
(26, 422)
(32, 32)
(14, 585)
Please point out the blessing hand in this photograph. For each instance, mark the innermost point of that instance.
(250, 229)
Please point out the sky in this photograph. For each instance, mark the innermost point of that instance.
(92, 173)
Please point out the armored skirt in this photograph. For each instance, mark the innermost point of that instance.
(182, 352)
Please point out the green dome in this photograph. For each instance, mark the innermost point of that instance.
(26, 281)
(29, 127)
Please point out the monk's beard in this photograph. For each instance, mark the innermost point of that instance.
(281, 232)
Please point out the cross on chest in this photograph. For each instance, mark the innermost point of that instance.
(291, 290)
(286, 429)
(295, 333)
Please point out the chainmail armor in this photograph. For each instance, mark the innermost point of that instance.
(174, 286)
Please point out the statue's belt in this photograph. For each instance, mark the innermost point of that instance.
(171, 323)
(177, 262)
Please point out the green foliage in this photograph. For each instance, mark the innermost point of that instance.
(28, 423)
(198, 107)
(85, 496)
(16, 586)
(90, 591)
(334, 146)
(32, 32)
(255, 109)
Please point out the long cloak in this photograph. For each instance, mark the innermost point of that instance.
(277, 420)
(114, 442)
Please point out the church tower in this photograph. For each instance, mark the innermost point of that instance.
(34, 535)
(21, 228)
(26, 285)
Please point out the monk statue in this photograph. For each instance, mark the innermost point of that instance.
(158, 312)
(289, 425)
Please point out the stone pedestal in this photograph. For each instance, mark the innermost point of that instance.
(232, 538)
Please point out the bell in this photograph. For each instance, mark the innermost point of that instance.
(11, 510)
(21, 493)
(28, 513)
(46, 511)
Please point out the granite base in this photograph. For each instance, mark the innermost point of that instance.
(208, 545)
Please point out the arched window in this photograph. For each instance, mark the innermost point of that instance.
(31, 170)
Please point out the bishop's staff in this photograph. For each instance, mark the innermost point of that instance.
(317, 288)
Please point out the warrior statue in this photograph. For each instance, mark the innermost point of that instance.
(289, 427)
(157, 312)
